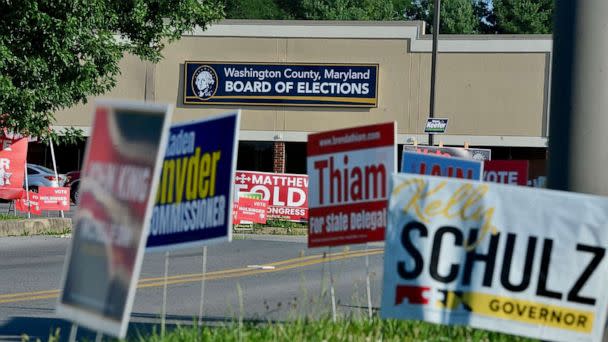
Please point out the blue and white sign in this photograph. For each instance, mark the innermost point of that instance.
(194, 200)
(433, 165)
(330, 85)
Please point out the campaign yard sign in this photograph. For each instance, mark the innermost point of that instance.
(467, 153)
(506, 171)
(29, 202)
(287, 194)
(12, 169)
(235, 207)
(54, 199)
(293, 84)
(436, 126)
(119, 178)
(194, 201)
(252, 210)
(348, 170)
(512, 259)
(428, 164)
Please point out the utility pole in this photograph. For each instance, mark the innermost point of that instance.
(578, 131)
(436, 12)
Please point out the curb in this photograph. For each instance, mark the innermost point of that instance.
(34, 226)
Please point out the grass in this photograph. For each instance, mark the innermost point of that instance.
(65, 231)
(9, 217)
(326, 330)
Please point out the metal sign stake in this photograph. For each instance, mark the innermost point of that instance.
(200, 309)
(368, 283)
(27, 194)
(73, 332)
(331, 289)
(163, 313)
(55, 167)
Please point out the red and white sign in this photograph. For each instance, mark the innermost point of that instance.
(54, 198)
(12, 169)
(287, 194)
(33, 206)
(119, 179)
(506, 171)
(348, 171)
(252, 210)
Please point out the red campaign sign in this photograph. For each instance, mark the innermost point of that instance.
(54, 198)
(120, 172)
(287, 194)
(12, 169)
(348, 171)
(506, 171)
(252, 210)
(34, 203)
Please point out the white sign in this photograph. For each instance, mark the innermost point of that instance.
(349, 171)
(436, 126)
(511, 259)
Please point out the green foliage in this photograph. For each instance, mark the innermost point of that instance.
(256, 9)
(325, 330)
(4, 217)
(523, 16)
(348, 9)
(457, 16)
(316, 9)
(56, 53)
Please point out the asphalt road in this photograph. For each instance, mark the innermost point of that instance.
(31, 270)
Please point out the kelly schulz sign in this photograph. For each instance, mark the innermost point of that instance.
(512, 259)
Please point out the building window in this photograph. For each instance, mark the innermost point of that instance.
(295, 157)
(255, 156)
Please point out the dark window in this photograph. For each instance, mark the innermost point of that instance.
(255, 156)
(295, 157)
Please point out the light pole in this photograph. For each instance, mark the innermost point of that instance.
(577, 130)
(436, 11)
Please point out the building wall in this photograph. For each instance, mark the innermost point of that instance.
(131, 86)
(492, 88)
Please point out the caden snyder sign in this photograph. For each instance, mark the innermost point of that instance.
(294, 84)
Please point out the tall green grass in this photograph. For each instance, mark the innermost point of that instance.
(326, 330)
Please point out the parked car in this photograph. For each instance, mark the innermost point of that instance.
(38, 175)
(73, 182)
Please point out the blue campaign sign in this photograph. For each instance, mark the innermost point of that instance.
(433, 165)
(194, 200)
(294, 84)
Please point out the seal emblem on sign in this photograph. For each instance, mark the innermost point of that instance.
(204, 82)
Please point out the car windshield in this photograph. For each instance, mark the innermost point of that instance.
(41, 168)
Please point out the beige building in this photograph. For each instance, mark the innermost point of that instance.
(494, 89)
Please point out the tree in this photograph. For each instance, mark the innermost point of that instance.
(255, 9)
(316, 9)
(457, 16)
(347, 9)
(56, 53)
(523, 16)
